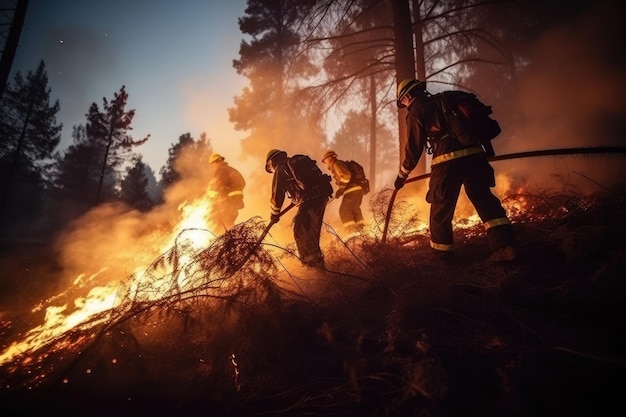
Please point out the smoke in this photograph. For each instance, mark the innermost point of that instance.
(120, 239)
(574, 85)
(572, 93)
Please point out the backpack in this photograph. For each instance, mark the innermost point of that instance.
(308, 176)
(468, 118)
(358, 176)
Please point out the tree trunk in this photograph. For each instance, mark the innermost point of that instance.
(6, 60)
(420, 66)
(104, 166)
(372, 173)
(405, 60)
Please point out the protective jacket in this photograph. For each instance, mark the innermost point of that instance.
(228, 184)
(351, 192)
(307, 222)
(227, 181)
(453, 165)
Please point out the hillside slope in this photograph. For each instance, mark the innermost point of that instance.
(386, 330)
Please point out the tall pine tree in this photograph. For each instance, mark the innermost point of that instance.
(188, 159)
(76, 175)
(134, 187)
(30, 133)
(110, 126)
(274, 60)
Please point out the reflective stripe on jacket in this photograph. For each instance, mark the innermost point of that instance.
(473, 150)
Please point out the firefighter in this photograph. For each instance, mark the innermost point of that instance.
(307, 222)
(227, 183)
(452, 166)
(349, 189)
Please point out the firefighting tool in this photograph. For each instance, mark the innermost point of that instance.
(391, 200)
(215, 157)
(260, 240)
(405, 87)
(516, 155)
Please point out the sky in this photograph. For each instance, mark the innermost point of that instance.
(176, 64)
(174, 57)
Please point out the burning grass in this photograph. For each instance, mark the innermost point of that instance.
(239, 328)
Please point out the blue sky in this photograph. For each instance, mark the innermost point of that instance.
(174, 57)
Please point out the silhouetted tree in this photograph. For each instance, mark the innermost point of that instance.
(358, 66)
(187, 159)
(134, 187)
(30, 133)
(110, 126)
(153, 184)
(274, 61)
(12, 40)
(76, 175)
(168, 172)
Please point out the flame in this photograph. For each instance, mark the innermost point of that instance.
(90, 310)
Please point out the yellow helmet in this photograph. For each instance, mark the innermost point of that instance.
(215, 157)
(329, 154)
(270, 155)
(405, 87)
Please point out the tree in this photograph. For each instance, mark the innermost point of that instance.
(168, 172)
(186, 160)
(76, 175)
(30, 133)
(153, 184)
(359, 65)
(111, 126)
(134, 187)
(434, 40)
(12, 41)
(273, 60)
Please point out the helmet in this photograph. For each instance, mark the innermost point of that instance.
(406, 86)
(215, 157)
(329, 154)
(270, 155)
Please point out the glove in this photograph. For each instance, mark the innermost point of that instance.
(274, 218)
(399, 182)
(339, 193)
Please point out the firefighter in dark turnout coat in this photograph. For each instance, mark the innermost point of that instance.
(350, 192)
(307, 222)
(228, 184)
(453, 165)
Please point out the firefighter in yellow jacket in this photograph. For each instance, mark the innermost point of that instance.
(453, 165)
(349, 189)
(228, 184)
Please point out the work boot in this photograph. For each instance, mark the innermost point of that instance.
(444, 256)
(505, 253)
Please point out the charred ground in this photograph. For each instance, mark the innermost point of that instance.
(386, 330)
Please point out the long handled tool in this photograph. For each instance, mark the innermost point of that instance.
(391, 200)
(272, 223)
(260, 239)
(547, 152)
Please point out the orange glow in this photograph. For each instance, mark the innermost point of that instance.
(90, 310)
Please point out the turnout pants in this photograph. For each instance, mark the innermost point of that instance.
(307, 228)
(477, 176)
(350, 210)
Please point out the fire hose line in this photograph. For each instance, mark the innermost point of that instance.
(529, 154)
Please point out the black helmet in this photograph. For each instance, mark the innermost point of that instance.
(406, 86)
(270, 156)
